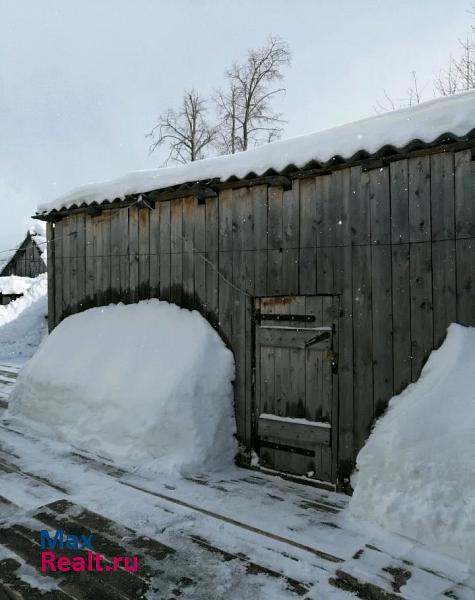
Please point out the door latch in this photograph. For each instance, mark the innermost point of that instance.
(317, 338)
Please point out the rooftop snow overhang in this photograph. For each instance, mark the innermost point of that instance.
(146, 187)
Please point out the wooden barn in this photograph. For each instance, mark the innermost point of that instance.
(330, 264)
(28, 260)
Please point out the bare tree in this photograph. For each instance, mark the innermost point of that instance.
(447, 81)
(414, 91)
(414, 95)
(459, 76)
(246, 116)
(227, 106)
(186, 131)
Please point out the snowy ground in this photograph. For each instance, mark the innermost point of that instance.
(23, 322)
(235, 534)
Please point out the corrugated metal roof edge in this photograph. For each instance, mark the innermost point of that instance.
(445, 142)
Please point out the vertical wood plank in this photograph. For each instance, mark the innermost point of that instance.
(329, 410)
(144, 254)
(421, 306)
(116, 235)
(199, 270)
(361, 311)
(380, 210)
(124, 255)
(106, 263)
(401, 305)
(443, 246)
(466, 281)
(275, 242)
(315, 409)
(212, 247)
(133, 254)
(326, 231)
(155, 252)
(346, 187)
(73, 264)
(176, 251)
(81, 260)
(188, 226)
(464, 194)
(164, 243)
(465, 233)
(308, 236)
(362, 345)
(382, 328)
(419, 199)
(399, 191)
(259, 203)
(275, 218)
(50, 237)
(290, 240)
(66, 281)
(381, 289)
(243, 246)
(90, 261)
(420, 262)
(225, 220)
(401, 297)
(442, 185)
(444, 288)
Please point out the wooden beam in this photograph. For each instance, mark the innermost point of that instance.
(272, 180)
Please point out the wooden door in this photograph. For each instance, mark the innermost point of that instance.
(295, 392)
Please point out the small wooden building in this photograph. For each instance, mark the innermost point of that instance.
(330, 264)
(28, 260)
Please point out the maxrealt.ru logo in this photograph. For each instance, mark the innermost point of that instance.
(52, 561)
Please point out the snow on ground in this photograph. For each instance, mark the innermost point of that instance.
(13, 284)
(426, 122)
(23, 323)
(149, 384)
(233, 510)
(237, 511)
(416, 473)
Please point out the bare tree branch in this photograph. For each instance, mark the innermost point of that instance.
(245, 106)
(414, 95)
(186, 132)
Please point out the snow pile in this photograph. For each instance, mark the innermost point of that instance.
(416, 473)
(426, 122)
(23, 323)
(148, 384)
(13, 284)
(38, 232)
(38, 228)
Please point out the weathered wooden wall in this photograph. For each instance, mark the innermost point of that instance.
(26, 262)
(396, 243)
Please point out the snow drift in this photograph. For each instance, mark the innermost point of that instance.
(23, 323)
(13, 284)
(416, 474)
(148, 384)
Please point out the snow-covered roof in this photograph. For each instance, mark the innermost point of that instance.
(447, 118)
(37, 232)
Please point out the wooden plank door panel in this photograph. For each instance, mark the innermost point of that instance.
(294, 384)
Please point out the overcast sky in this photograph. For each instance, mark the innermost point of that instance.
(82, 81)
